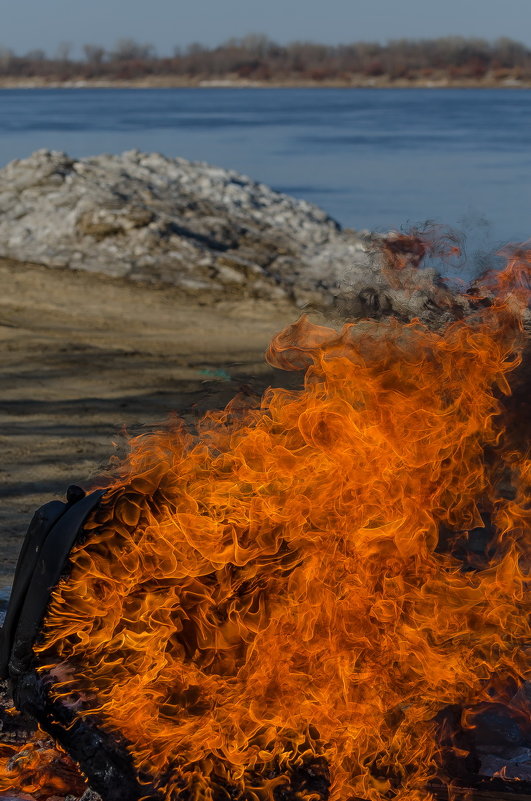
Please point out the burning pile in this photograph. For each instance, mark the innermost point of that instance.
(278, 606)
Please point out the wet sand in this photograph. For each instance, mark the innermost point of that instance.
(82, 357)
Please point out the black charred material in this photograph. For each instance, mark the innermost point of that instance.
(102, 756)
(43, 557)
(15, 729)
(309, 780)
(43, 520)
(43, 560)
(495, 791)
(460, 762)
(461, 750)
(474, 548)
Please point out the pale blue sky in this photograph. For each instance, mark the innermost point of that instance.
(28, 24)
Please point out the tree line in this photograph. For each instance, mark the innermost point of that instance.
(256, 57)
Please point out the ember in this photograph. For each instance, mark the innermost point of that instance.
(276, 607)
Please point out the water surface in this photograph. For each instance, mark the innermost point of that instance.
(375, 159)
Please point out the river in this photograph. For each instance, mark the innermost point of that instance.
(374, 159)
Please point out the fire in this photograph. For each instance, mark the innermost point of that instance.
(263, 606)
(38, 768)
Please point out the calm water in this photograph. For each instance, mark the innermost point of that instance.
(374, 159)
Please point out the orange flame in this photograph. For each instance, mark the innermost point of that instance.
(268, 593)
(40, 769)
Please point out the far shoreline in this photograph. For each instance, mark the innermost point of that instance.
(170, 82)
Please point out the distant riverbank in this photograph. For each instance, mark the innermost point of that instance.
(234, 82)
(257, 61)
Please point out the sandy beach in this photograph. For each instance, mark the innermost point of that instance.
(84, 357)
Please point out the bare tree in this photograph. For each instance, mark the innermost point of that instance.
(35, 55)
(255, 56)
(129, 50)
(94, 54)
(6, 57)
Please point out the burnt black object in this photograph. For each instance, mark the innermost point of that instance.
(49, 539)
(43, 560)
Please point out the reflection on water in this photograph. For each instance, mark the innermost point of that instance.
(374, 159)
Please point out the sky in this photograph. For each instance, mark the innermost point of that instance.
(46, 24)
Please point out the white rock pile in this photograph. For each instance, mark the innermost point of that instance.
(212, 233)
(209, 231)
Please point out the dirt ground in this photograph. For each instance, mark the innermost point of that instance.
(82, 357)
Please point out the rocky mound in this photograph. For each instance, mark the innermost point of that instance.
(159, 220)
(210, 232)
